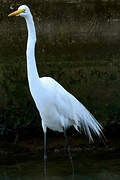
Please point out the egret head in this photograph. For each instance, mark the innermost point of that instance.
(22, 11)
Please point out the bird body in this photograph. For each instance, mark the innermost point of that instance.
(57, 107)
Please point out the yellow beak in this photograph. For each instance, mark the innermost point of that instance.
(17, 12)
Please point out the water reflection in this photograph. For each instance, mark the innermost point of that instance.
(88, 167)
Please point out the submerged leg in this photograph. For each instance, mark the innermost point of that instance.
(45, 154)
(17, 136)
(69, 152)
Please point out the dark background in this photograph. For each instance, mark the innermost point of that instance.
(77, 44)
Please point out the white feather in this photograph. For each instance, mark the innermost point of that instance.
(57, 107)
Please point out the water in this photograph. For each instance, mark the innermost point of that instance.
(78, 45)
(88, 166)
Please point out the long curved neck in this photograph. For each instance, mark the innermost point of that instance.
(31, 63)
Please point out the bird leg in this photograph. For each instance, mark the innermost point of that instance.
(45, 154)
(17, 136)
(69, 152)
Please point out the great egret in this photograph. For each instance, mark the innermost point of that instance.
(58, 108)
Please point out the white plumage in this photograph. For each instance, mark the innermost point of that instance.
(61, 109)
(57, 107)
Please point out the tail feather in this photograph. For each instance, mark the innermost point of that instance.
(86, 121)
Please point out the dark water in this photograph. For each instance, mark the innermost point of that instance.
(78, 45)
(88, 166)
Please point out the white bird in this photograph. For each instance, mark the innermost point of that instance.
(58, 108)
